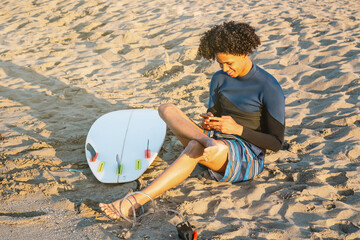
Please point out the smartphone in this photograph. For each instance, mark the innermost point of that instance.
(206, 117)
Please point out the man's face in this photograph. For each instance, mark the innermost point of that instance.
(233, 65)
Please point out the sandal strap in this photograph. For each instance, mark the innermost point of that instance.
(135, 219)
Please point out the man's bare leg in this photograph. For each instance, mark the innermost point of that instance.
(183, 127)
(171, 177)
(186, 130)
(202, 149)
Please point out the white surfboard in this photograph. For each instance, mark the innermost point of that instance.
(121, 145)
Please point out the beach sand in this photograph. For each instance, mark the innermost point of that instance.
(63, 64)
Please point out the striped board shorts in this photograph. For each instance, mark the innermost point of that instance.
(245, 160)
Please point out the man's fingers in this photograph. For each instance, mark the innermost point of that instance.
(214, 123)
(213, 119)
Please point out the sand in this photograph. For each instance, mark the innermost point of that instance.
(65, 63)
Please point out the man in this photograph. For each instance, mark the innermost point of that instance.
(245, 117)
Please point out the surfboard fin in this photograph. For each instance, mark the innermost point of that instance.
(119, 167)
(147, 151)
(92, 151)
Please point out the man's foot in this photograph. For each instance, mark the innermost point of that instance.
(117, 209)
(112, 210)
(215, 151)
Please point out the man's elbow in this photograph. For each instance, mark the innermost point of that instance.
(276, 146)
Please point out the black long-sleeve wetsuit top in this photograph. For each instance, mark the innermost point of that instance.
(255, 101)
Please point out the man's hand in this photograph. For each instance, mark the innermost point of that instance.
(224, 124)
(205, 121)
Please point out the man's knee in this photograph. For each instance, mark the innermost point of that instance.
(194, 149)
(164, 109)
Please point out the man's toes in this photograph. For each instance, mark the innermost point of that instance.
(205, 155)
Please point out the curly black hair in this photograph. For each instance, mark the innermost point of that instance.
(229, 37)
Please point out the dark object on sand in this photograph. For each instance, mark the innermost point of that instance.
(185, 231)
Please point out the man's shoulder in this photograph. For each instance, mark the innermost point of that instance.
(263, 74)
(219, 77)
(219, 73)
(266, 78)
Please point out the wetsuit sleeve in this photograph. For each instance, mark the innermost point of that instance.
(271, 137)
(272, 121)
